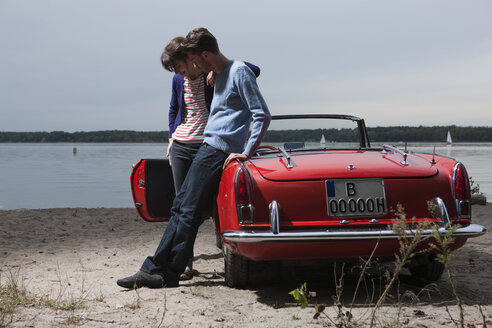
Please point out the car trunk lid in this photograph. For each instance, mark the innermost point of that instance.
(337, 164)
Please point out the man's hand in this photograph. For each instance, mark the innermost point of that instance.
(233, 156)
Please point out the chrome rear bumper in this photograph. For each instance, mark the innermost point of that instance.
(274, 235)
(251, 236)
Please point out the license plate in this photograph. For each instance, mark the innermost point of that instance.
(356, 197)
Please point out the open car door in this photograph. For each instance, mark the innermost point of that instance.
(153, 189)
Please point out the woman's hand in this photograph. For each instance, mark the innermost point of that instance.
(211, 78)
(168, 153)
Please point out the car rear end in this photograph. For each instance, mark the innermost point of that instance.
(338, 204)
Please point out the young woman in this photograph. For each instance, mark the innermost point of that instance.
(189, 109)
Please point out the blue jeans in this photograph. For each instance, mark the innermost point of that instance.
(182, 155)
(190, 205)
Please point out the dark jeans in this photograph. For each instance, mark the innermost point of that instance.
(182, 155)
(189, 207)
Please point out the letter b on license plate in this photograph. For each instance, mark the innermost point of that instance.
(356, 197)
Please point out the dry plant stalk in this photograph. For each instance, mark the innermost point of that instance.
(408, 240)
(445, 255)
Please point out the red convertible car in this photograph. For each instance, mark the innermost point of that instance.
(322, 200)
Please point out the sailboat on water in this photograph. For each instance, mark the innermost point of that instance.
(323, 140)
(448, 139)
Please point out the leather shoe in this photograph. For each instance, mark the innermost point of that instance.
(142, 279)
(188, 274)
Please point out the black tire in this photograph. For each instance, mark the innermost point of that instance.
(236, 269)
(430, 271)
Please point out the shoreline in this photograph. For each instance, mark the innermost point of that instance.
(475, 201)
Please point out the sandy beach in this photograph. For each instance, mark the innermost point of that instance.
(68, 260)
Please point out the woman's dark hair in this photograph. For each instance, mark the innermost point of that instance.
(198, 40)
(172, 52)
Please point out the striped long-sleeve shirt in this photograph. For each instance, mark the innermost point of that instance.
(193, 125)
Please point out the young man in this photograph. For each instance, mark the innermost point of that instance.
(189, 109)
(237, 103)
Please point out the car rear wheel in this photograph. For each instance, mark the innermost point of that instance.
(236, 269)
(431, 271)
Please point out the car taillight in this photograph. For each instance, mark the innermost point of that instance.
(244, 196)
(462, 192)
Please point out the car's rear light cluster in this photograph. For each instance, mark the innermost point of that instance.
(462, 194)
(244, 196)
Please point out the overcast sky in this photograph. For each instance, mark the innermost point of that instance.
(95, 64)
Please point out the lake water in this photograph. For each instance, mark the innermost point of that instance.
(49, 175)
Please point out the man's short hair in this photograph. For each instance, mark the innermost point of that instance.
(199, 40)
(173, 52)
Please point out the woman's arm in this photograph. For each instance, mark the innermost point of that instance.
(173, 107)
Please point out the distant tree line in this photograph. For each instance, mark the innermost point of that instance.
(96, 136)
(430, 133)
(386, 134)
(376, 134)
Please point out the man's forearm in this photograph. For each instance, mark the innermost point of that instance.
(261, 121)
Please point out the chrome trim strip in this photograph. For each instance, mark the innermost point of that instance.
(274, 217)
(441, 212)
(257, 236)
(429, 153)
